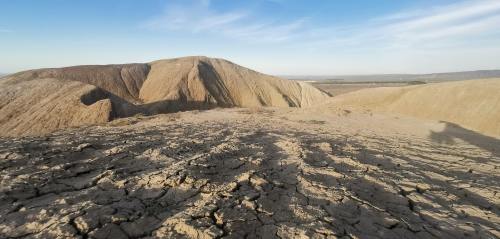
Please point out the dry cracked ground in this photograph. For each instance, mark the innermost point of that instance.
(239, 173)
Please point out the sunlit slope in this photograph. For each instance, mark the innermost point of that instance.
(40, 101)
(41, 106)
(474, 104)
(222, 83)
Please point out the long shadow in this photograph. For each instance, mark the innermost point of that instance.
(222, 180)
(77, 186)
(418, 172)
(454, 131)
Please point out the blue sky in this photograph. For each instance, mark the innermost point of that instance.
(321, 37)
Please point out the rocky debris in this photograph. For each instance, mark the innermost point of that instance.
(243, 176)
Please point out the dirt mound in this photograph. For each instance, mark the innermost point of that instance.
(473, 104)
(40, 101)
(222, 83)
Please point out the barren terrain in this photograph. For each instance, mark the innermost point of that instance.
(335, 89)
(41, 101)
(472, 104)
(87, 152)
(246, 173)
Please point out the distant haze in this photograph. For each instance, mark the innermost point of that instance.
(449, 76)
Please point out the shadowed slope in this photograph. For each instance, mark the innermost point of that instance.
(159, 87)
(124, 81)
(222, 83)
(473, 104)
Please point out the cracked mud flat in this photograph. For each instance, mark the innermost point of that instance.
(253, 173)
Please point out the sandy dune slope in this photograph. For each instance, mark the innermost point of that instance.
(40, 101)
(473, 104)
(240, 173)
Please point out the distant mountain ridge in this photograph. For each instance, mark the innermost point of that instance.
(448, 76)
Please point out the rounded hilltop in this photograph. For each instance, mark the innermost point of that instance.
(43, 100)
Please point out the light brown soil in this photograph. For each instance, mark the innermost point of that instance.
(339, 89)
(474, 104)
(41, 101)
(250, 173)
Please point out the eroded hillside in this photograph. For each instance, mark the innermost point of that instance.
(41, 101)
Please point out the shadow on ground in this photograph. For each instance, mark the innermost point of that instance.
(237, 181)
(454, 131)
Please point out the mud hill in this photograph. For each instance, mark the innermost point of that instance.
(41, 101)
(472, 104)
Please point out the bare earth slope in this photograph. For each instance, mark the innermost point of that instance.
(220, 82)
(240, 173)
(124, 81)
(41, 106)
(158, 87)
(473, 104)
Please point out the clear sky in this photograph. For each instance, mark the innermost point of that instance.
(308, 37)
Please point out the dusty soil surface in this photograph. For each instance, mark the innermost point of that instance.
(473, 104)
(242, 173)
(339, 89)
